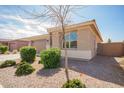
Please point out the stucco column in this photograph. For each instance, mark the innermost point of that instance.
(8, 46)
(47, 44)
(30, 43)
(50, 40)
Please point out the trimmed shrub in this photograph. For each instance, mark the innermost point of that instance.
(8, 63)
(19, 64)
(50, 58)
(28, 54)
(24, 69)
(75, 83)
(3, 49)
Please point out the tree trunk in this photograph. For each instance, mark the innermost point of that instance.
(66, 63)
(66, 56)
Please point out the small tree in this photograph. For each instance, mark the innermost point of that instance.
(61, 16)
(109, 40)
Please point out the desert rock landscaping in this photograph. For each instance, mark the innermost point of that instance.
(99, 72)
(40, 78)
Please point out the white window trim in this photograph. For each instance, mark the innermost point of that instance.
(69, 41)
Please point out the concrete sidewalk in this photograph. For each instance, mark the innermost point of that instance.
(9, 57)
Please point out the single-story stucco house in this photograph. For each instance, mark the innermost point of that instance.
(81, 40)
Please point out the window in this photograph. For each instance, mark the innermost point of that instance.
(71, 40)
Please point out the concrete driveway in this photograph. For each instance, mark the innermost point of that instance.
(9, 57)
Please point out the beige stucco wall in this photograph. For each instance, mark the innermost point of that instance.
(83, 42)
(80, 54)
(94, 32)
(39, 45)
(55, 39)
(86, 40)
(93, 44)
(111, 49)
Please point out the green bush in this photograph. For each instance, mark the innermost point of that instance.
(19, 64)
(28, 54)
(24, 69)
(3, 49)
(75, 83)
(8, 63)
(50, 58)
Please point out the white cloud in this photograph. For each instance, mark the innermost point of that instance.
(12, 31)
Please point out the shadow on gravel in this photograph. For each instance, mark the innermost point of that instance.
(100, 67)
(48, 72)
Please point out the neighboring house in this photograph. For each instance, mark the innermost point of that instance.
(40, 42)
(4, 41)
(81, 39)
(14, 44)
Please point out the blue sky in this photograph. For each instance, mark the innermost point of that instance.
(110, 20)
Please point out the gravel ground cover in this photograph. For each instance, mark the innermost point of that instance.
(99, 72)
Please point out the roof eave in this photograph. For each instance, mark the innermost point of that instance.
(91, 22)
